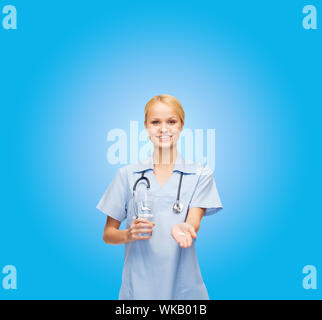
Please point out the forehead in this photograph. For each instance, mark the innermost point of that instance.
(161, 110)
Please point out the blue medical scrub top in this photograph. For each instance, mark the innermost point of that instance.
(158, 268)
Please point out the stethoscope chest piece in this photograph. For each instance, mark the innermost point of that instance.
(177, 207)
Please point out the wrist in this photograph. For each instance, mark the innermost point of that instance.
(195, 226)
(126, 235)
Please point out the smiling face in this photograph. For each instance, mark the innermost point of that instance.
(163, 125)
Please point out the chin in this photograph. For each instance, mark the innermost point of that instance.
(163, 145)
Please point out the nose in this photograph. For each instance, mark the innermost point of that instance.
(164, 128)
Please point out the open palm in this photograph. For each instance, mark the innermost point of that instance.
(183, 234)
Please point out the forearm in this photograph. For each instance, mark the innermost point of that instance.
(194, 217)
(115, 236)
(195, 223)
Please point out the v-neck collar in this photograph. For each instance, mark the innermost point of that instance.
(180, 165)
(158, 183)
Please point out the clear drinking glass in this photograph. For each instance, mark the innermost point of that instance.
(145, 211)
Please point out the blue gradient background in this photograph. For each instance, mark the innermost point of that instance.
(74, 70)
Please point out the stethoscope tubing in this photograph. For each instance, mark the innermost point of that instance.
(177, 207)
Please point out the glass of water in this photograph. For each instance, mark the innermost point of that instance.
(145, 212)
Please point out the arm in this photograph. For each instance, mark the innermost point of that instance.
(112, 234)
(194, 217)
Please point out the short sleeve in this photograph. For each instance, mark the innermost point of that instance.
(114, 200)
(206, 194)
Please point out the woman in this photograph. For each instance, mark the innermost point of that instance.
(164, 264)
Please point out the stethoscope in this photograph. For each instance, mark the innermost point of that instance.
(177, 206)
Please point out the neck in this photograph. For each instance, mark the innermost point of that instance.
(165, 156)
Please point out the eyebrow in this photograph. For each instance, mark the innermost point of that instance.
(172, 117)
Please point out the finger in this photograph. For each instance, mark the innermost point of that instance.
(179, 240)
(144, 225)
(182, 242)
(186, 242)
(180, 237)
(189, 242)
(188, 237)
(144, 238)
(146, 221)
(142, 220)
(143, 230)
(192, 231)
(149, 223)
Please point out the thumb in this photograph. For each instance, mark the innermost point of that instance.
(192, 231)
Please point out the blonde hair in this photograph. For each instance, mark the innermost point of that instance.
(168, 100)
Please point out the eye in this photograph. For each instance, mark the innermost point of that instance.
(155, 122)
(172, 121)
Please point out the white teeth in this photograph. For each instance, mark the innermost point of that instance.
(164, 137)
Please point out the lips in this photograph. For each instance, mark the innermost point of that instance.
(164, 137)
